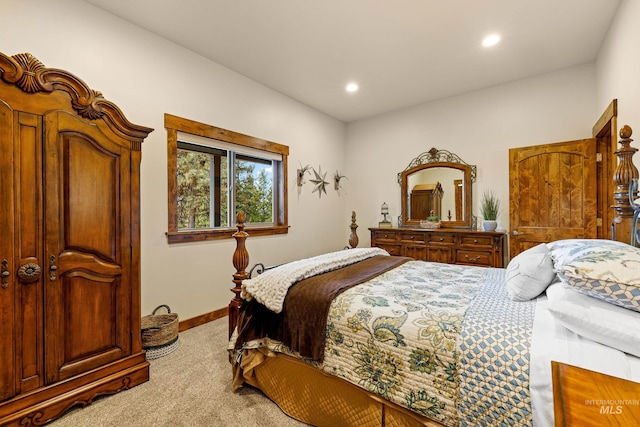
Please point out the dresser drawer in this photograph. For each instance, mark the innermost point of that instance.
(476, 241)
(395, 250)
(383, 236)
(410, 237)
(440, 239)
(480, 258)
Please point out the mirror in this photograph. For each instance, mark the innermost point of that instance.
(437, 183)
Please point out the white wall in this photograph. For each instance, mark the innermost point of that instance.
(618, 68)
(146, 77)
(480, 127)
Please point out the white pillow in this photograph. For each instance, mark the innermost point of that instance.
(529, 273)
(595, 319)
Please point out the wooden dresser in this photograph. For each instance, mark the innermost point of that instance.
(70, 246)
(446, 245)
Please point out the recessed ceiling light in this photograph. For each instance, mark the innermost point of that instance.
(352, 87)
(490, 40)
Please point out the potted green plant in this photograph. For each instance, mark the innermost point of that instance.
(489, 209)
(433, 221)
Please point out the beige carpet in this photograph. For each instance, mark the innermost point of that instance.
(189, 387)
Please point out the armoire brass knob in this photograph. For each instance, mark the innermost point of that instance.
(29, 272)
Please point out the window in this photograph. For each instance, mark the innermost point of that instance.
(204, 192)
(215, 173)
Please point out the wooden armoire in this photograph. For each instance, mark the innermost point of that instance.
(69, 244)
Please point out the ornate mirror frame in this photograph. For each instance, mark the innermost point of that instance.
(435, 158)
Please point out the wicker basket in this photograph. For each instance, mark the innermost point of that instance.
(159, 333)
(430, 225)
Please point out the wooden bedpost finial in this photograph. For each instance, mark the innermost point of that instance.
(625, 133)
(622, 176)
(240, 262)
(353, 239)
(241, 218)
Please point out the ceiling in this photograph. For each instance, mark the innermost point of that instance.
(400, 53)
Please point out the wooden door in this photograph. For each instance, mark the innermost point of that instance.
(88, 247)
(553, 193)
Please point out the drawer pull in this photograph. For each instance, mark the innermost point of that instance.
(442, 239)
(475, 240)
(412, 237)
(386, 236)
(477, 258)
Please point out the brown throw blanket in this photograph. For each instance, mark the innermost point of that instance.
(302, 324)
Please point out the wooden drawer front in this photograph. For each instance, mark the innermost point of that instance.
(441, 239)
(437, 253)
(474, 258)
(384, 236)
(412, 237)
(395, 250)
(418, 252)
(476, 241)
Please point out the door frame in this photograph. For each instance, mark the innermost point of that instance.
(605, 132)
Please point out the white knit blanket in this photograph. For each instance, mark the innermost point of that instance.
(270, 287)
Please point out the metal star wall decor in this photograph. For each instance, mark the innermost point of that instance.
(319, 182)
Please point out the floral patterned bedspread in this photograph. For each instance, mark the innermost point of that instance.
(404, 336)
(396, 335)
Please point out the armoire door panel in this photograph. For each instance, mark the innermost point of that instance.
(90, 329)
(28, 243)
(28, 184)
(7, 264)
(29, 343)
(88, 241)
(92, 200)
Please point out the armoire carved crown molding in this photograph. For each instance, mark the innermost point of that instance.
(30, 75)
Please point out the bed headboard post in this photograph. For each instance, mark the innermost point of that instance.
(624, 173)
(240, 262)
(353, 238)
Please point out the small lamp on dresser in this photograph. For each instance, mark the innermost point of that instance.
(385, 223)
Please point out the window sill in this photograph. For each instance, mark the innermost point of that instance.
(222, 233)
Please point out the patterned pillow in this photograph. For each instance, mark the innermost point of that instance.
(603, 269)
(529, 273)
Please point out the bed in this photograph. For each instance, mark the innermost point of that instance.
(358, 337)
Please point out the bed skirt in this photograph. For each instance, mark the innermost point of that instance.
(314, 397)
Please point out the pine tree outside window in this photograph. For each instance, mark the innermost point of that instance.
(212, 179)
